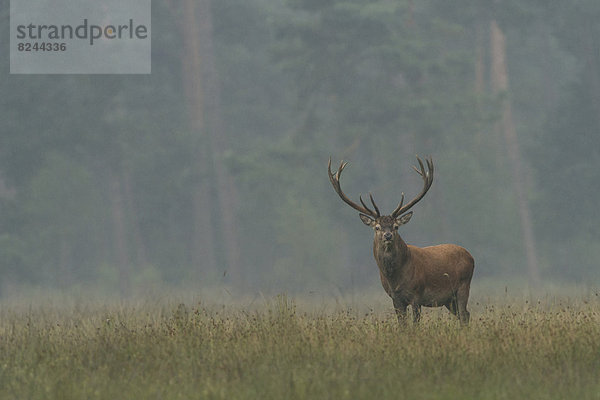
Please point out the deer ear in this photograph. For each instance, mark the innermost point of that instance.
(368, 221)
(404, 219)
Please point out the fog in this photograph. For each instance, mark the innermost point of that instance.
(210, 173)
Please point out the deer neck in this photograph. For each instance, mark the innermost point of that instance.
(391, 257)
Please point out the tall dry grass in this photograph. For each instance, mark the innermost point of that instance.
(525, 349)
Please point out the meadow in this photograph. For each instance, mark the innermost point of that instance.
(280, 348)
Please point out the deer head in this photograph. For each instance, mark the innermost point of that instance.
(385, 226)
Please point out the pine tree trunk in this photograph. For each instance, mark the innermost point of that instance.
(66, 263)
(591, 46)
(479, 58)
(207, 115)
(119, 235)
(203, 253)
(499, 81)
(140, 248)
(480, 40)
(226, 191)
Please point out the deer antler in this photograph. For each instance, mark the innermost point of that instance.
(335, 181)
(427, 179)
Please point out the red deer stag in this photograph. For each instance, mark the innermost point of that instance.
(431, 276)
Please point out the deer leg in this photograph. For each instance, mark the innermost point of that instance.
(452, 306)
(462, 296)
(400, 307)
(416, 313)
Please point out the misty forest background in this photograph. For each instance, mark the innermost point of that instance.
(211, 171)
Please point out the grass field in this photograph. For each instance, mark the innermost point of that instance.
(513, 349)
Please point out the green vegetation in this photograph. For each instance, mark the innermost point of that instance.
(115, 181)
(548, 348)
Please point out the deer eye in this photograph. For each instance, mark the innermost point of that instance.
(395, 227)
(377, 227)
